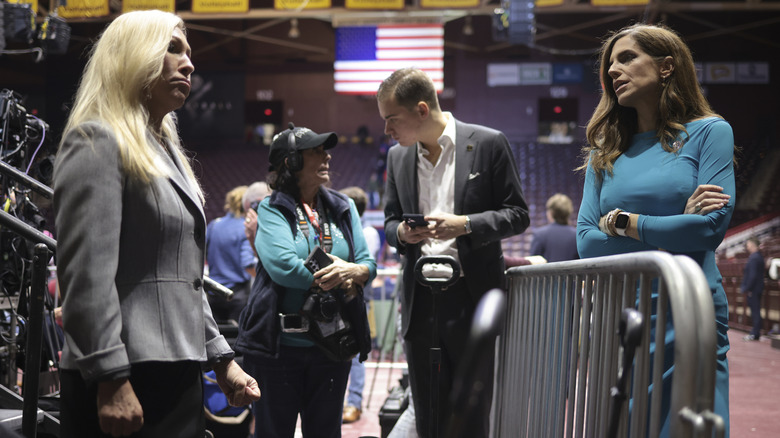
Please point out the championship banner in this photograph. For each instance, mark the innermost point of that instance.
(720, 72)
(217, 6)
(618, 2)
(145, 5)
(33, 3)
(84, 9)
(449, 3)
(536, 73)
(752, 72)
(296, 4)
(543, 3)
(374, 4)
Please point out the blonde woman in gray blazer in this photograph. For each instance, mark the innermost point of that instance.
(130, 229)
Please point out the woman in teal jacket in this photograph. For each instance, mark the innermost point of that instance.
(295, 374)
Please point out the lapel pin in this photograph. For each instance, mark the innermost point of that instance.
(469, 148)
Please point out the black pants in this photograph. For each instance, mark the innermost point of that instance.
(301, 380)
(455, 310)
(754, 301)
(224, 310)
(171, 395)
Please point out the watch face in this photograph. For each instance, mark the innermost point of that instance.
(621, 221)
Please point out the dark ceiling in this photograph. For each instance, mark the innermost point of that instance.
(258, 40)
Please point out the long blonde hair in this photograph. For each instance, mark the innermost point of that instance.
(611, 127)
(123, 65)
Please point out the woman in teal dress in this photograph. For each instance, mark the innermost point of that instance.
(659, 170)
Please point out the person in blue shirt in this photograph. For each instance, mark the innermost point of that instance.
(659, 170)
(230, 258)
(278, 330)
(556, 241)
(753, 286)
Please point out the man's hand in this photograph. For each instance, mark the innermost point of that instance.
(239, 387)
(415, 235)
(119, 411)
(447, 226)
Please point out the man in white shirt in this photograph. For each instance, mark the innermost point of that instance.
(464, 180)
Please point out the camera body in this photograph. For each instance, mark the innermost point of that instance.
(330, 330)
(321, 306)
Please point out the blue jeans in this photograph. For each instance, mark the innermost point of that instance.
(357, 380)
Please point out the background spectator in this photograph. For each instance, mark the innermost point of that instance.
(753, 286)
(556, 241)
(230, 258)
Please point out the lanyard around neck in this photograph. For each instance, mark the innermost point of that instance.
(323, 235)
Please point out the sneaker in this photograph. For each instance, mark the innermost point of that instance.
(750, 338)
(350, 414)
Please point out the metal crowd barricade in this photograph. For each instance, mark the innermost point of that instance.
(559, 353)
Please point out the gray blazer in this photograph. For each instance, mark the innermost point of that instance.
(487, 189)
(130, 261)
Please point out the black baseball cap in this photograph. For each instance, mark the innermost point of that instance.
(305, 138)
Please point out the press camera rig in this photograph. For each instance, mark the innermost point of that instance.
(26, 166)
(29, 338)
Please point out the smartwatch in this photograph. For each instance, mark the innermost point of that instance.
(621, 223)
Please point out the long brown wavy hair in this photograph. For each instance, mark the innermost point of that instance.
(611, 127)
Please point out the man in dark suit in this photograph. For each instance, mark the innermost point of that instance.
(463, 178)
(753, 286)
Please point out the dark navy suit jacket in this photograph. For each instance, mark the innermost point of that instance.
(555, 242)
(753, 279)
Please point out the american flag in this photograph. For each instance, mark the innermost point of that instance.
(366, 55)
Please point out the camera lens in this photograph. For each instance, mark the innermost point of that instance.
(328, 306)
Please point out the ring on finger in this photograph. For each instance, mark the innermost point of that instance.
(697, 207)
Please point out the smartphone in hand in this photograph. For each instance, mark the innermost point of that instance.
(317, 260)
(415, 220)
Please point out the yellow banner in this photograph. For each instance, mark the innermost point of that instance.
(143, 5)
(34, 4)
(84, 8)
(449, 3)
(216, 6)
(544, 3)
(618, 2)
(374, 4)
(295, 4)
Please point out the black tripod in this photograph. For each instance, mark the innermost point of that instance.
(437, 286)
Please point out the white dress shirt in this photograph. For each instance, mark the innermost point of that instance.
(437, 194)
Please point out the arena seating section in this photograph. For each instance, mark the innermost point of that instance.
(545, 169)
